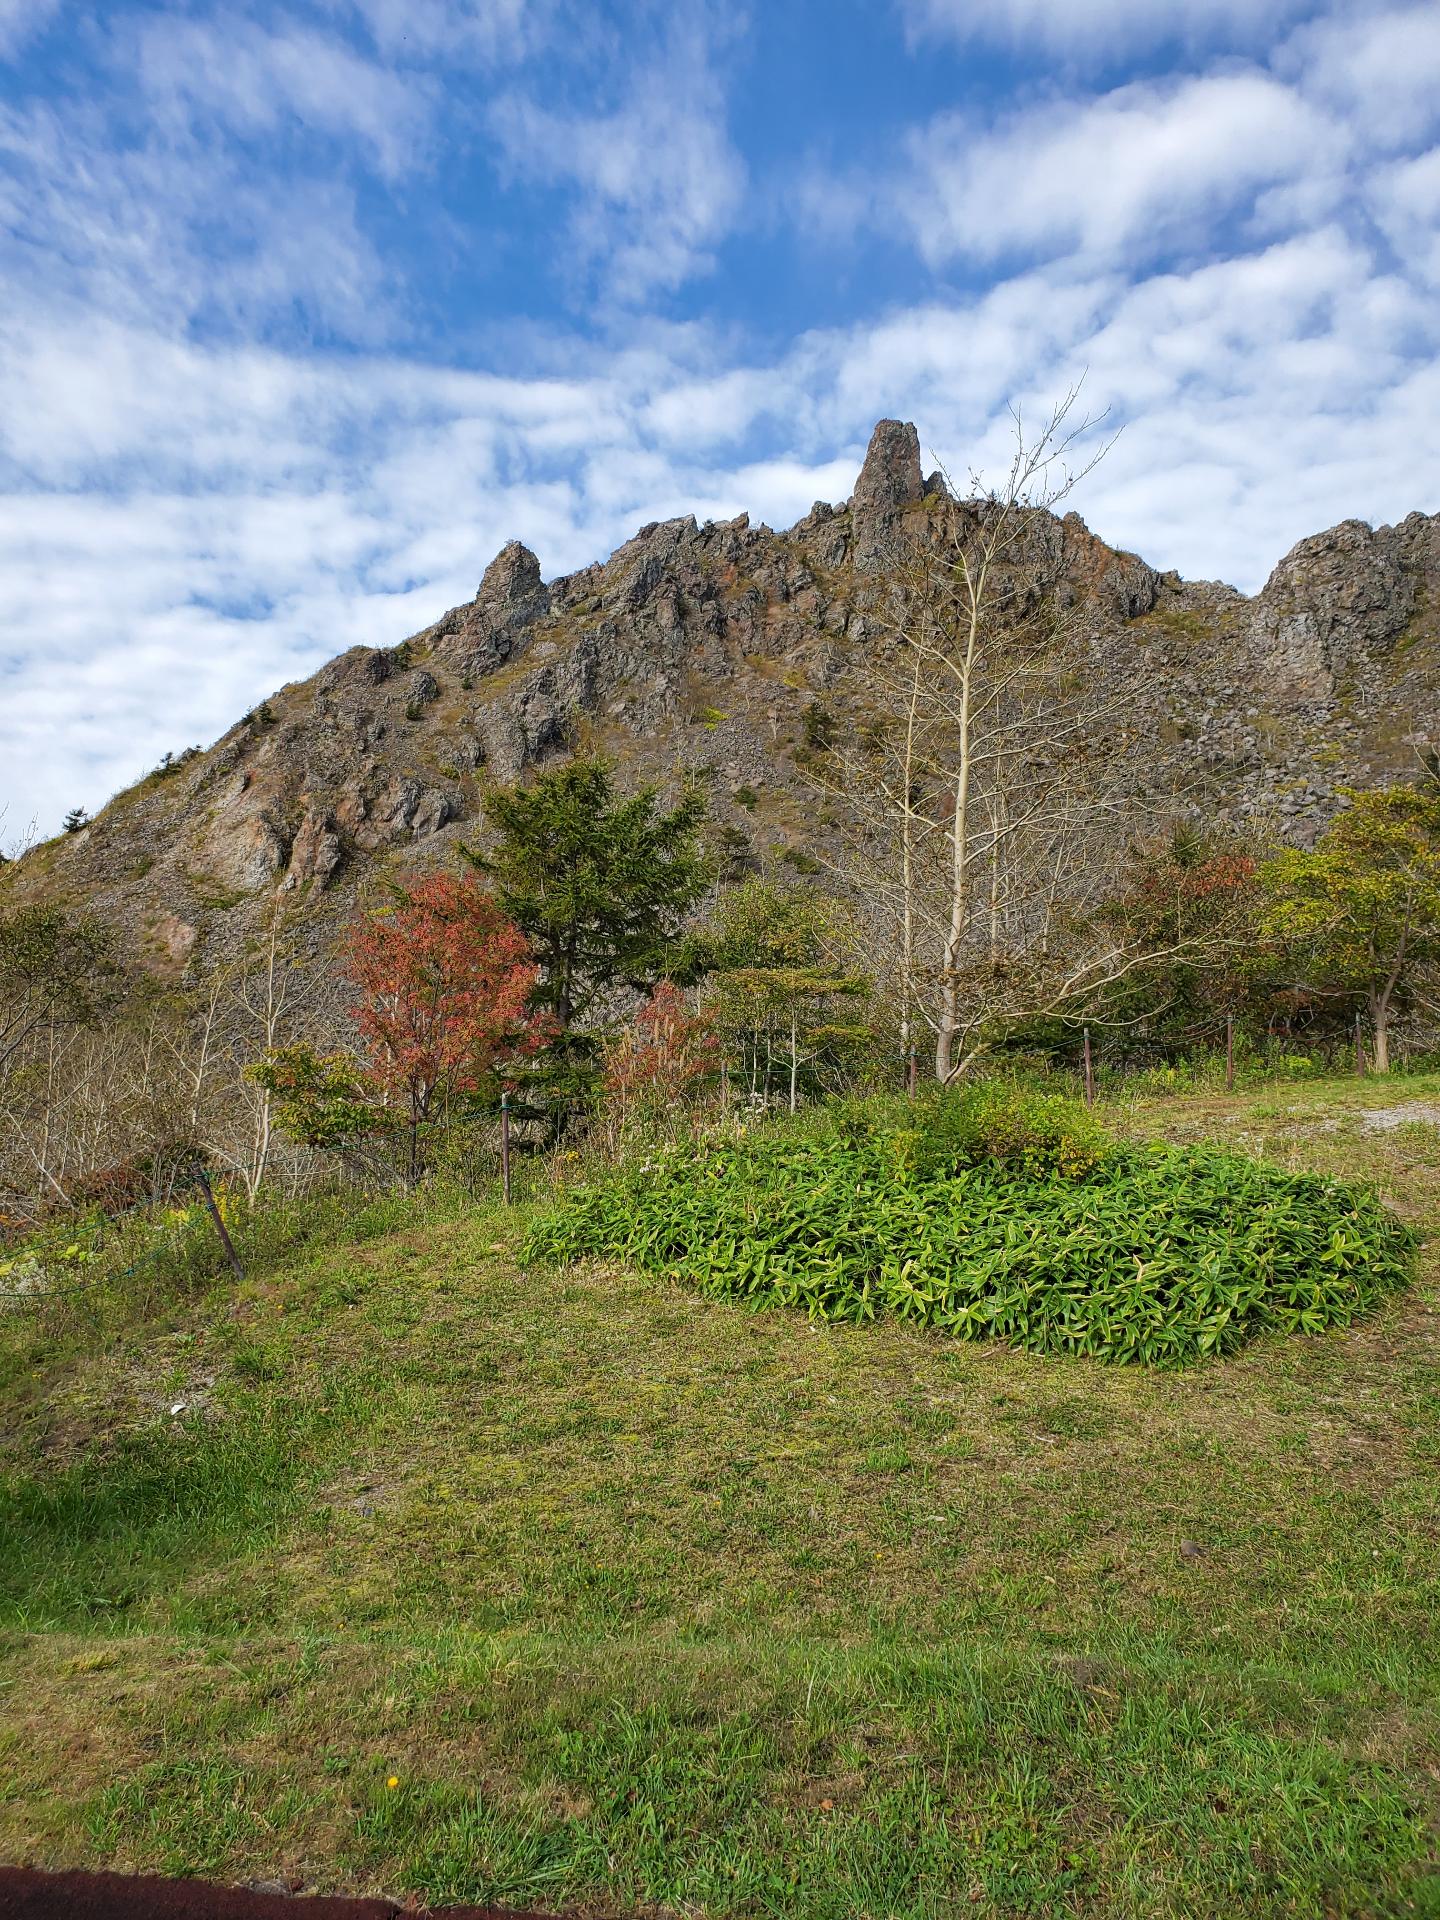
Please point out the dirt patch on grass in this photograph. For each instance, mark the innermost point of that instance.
(1422, 1113)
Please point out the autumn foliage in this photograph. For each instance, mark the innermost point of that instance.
(662, 1055)
(443, 983)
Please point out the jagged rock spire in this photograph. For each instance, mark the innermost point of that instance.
(890, 481)
(512, 582)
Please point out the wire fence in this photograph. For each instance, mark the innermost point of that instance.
(176, 1242)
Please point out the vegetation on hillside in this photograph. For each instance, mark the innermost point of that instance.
(600, 886)
(648, 1603)
(996, 1215)
(271, 1068)
(1359, 917)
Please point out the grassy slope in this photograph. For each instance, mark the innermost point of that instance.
(648, 1601)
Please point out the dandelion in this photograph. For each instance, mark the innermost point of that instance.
(393, 1781)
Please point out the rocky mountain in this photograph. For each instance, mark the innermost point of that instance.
(703, 646)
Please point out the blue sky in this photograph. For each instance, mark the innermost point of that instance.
(305, 309)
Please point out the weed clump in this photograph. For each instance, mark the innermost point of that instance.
(998, 1214)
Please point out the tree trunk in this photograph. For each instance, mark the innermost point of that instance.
(975, 585)
(1380, 1023)
(907, 875)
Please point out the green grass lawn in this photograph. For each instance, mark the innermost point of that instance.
(646, 1602)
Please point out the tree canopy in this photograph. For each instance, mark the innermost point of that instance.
(1188, 904)
(775, 982)
(600, 885)
(1359, 917)
(55, 968)
(444, 982)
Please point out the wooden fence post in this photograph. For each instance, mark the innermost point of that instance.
(202, 1180)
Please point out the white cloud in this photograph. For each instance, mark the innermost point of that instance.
(1405, 202)
(154, 195)
(21, 21)
(488, 30)
(249, 81)
(1381, 70)
(657, 179)
(1145, 168)
(173, 230)
(1098, 27)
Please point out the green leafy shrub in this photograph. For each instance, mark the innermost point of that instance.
(992, 1121)
(977, 1219)
(320, 1099)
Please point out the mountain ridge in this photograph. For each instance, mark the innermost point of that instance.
(700, 648)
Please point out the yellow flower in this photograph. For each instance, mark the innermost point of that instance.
(393, 1781)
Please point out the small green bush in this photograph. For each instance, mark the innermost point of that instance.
(996, 1214)
(991, 1121)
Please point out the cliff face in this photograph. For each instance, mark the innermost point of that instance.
(703, 646)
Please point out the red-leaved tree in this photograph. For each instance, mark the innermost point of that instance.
(444, 982)
(660, 1059)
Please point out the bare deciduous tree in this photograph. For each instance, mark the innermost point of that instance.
(96, 1084)
(987, 779)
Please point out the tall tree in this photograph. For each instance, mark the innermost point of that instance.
(445, 981)
(601, 886)
(1359, 917)
(983, 779)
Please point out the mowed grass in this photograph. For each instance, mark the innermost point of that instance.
(648, 1602)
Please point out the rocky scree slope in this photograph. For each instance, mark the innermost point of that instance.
(702, 647)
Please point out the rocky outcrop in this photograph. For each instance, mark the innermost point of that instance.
(512, 591)
(726, 650)
(1337, 600)
(1119, 586)
(247, 852)
(510, 599)
(316, 850)
(175, 939)
(889, 483)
